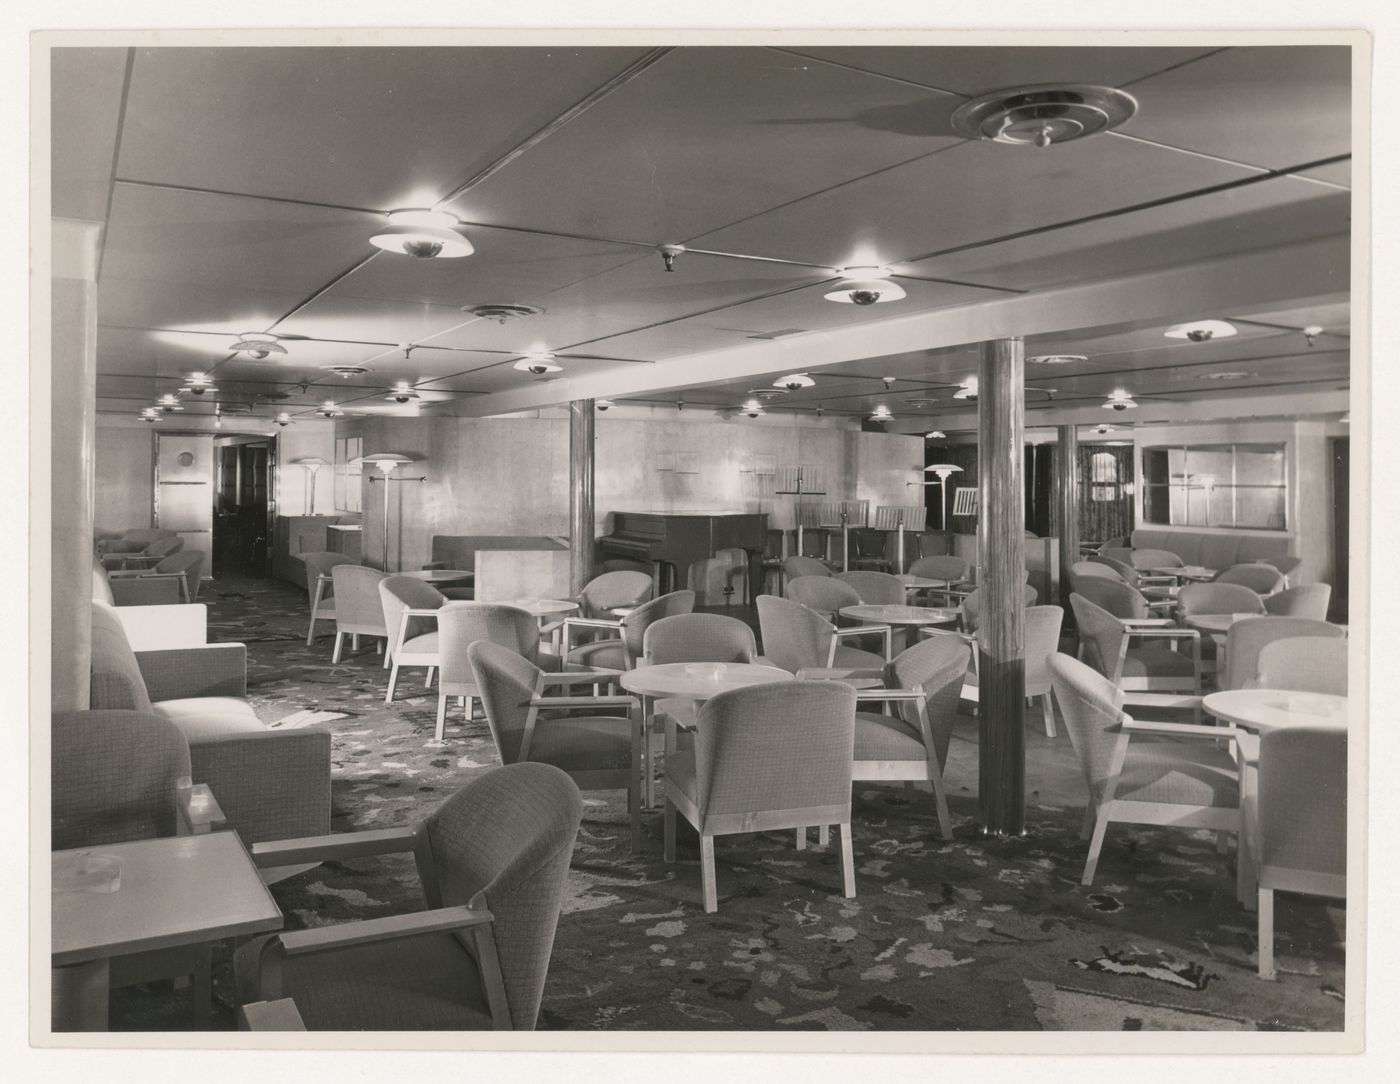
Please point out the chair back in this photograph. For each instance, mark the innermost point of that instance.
(793, 635)
(635, 624)
(972, 606)
(319, 563)
(1305, 600)
(698, 638)
(188, 562)
(1118, 553)
(357, 602)
(940, 567)
(875, 588)
(1096, 567)
(1286, 563)
(144, 536)
(867, 543)
(825, 594)
(114, 776)
(115, 680)
(509, 836)
(1305, 664)
(461, 624)
(1092, 707)
(773, 748)
(937, 665)
(164, 547)
(1153, 559)
(1100, 635)
(506, 682)
(1219, 598)
(1303, 799)
(400, 593)
(1248, 636)
(1115, 596)
(1265, 579)
(1042, 639)
(797, 566)
(1125, 572)
(612, 590)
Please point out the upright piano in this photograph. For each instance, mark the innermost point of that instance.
(672, 542)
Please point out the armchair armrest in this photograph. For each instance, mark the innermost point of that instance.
(599, 676)
(1149, 622)
(583, 702)
(1167, 633)
(201, 670)
(286, 852)
(1147, 726)
(861, 630)
(198, 809)
(891, 695)
(351, 934)
(858, 678)
(279, 1015)
(420, 611)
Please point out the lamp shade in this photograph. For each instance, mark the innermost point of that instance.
(943, 470)
(386, 461)
(313, 463)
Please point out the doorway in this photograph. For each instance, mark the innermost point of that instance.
(243, 506)
(1341, 527)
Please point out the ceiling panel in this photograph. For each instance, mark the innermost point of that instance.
(333, 315)
(973, 192)
(1275, 212)
(378, 128)
(1336, 173)
(85, 102)
(1274, 107)
(706, 137)
(973, 70)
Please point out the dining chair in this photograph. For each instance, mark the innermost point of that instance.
(698, 638)
(623, 589)
(321, 595)
(493, 864)
(1250, 635)
(1154, 673)
(875, 588)
(622, 651)
(461, 624)
(599, 751)
(952, 570)
(796, 637)
(1307, 664)
(1263, 579)
(1287, 563)
(1296, 822)
(869, 549)
(796, 566)
(765, 758)
(827, 595)
(358, 609)
(1305, 600)
(1175, 781)
(410, 614)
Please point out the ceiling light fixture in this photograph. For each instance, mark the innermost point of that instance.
(1120, 400)
(257, 345)
(423, 234)
(967, 390)
(501, 312)
(935, 434)
(1056, 359)
(882, 414)
(402, 393)
(328, 409)
(345, 372)
(794, 382)
(284, 419)
(865, 286)
(669, 254)
(1226, 376)
(602, 404)
(1199, 331)
(198, 384)
(753, 408)
(538, 364)
(1311, 332)
(1039, 115)
(150, 414)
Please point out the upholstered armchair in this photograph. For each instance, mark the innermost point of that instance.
(621, 651)
(795, 637)
(410, 614)
(1308, 664)
(321, 594)
(825, 595)
(875, 588)
(1305, 600)
(1137, 657)
(183, 569)
(358, 609)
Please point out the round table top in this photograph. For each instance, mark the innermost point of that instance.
(699, 680)
(1215, 622)
(541, 607)
(1185, 572)
(1262, 710)
(914, 583)
(900, 615)
(439, 575)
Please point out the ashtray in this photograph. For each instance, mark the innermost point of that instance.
(710, 671)
(86, 871)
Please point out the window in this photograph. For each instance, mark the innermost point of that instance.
(1103, 477)
(347, 473)
(1216, 485)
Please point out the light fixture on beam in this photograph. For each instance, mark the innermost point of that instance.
(403, 393)
(538, 364)
(935, 434)
(328, 409)
(198, 384)
(423, 234)
(284, 419)
(1311, 332)
(1120, 401)
(1200, 331)
(967, 390)
(752, 408)
(794, 382)
(882, 414)
(865, 286)
(257, 345)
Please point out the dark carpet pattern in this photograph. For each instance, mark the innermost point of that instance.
(978, 933)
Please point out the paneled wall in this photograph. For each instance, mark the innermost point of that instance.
(125, 474)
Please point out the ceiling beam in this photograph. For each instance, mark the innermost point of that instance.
(1313, 271)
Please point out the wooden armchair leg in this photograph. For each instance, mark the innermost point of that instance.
(1267, 969)
(1095, 846)
(823, 835)
(707, 873)
(339, 640)
(441, 716)
(393, 680)
(848, 862)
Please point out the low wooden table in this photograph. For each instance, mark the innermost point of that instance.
(175, 892)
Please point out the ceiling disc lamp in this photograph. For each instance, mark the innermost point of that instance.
(284, 419)
(882, 414)
(1043, 114)
(1311, 332)
(752, 408)
(403, 393)
(967, 390)
(328, 409)
(794, 382)
(1120, 400)
(538, 364)
(423, 234)
(198, 384)
(150, 414)
(865, 286)
(1200, 331)
(935, 434)
(257, 345)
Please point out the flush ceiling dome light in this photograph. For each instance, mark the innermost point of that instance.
(257, 345)
(1039, 115)
(538, 364)
(423, 235)
(865, 286)
(794, 381)
(1199, 331)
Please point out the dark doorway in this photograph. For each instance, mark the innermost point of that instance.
(1341, 527)
(242, 532)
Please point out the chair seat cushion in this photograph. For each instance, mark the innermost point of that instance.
(426, 644)
(1157, 661)
(408, 984)
(1179, 773)
(886, 737)
(853, 658)
(582, 744)
(206, 717)
(606, 654)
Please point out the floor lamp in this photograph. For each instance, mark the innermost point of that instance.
(312, 463)
(944, 472)
(387, 462)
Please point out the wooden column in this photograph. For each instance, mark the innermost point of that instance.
(1001, 645)
(580, 493)
(1067, 503)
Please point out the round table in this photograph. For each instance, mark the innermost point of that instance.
(1263, 710)
(540, 607)
(1196, 573)
(441, 577)
(900, 617)
(923, 583)
(1215, 624)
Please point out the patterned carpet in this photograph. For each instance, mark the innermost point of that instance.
(974, 934)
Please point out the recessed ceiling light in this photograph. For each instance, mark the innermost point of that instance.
(1056, 359)
(865, 286)
(257, 345)
(345, 372)
(1043, 114)
(1199, 331)
(538, 364)
(501, 312)
(794, 381)
(423, 234)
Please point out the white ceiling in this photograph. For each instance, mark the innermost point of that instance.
(239, 187)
